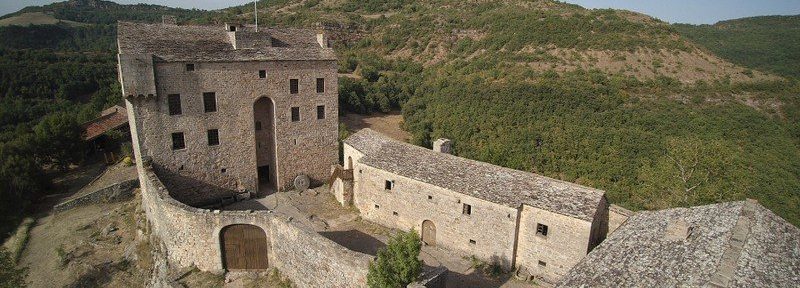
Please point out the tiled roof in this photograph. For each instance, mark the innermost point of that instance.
(111, 119)
(481, 180)
(212, 43)
(734, 244)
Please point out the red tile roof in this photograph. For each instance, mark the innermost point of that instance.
(112, 118)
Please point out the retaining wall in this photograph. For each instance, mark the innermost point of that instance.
(191, 236)
(116, 192)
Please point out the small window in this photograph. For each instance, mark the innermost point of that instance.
(377, 206)
(320, 112)
(466, 209)
(294, 86)
(295, 114)
(213, 137)
(177, 141)
(190, 67)
(258, 125)
(295, 141)
(232, 28)
(472, 242)
(223, 170)
(174, 103)
(430, 197)
(210, 101)
(541, 229)
(320, 85)
(394, 213)
(262, 74)
(542, 263)
(389, 185)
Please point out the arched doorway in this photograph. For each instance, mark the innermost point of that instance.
(243, 247)
(349, 163)
(264, 126)
(428, 233)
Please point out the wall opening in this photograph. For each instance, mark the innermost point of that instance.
(428, 233)
(349, 163)
(264, 129)
(244, 247)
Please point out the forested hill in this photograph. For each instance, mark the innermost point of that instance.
(769, 43)
(606, 98)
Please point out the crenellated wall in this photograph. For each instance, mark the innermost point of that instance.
(191, 236)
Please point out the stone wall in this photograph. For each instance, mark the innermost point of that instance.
(306, 147)
(566, 243)
(488, 232)
(191, 236)
(116, 192)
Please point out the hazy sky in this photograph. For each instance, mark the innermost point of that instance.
(680, 11)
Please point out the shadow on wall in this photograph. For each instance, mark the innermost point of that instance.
(195, 193)
(356, 241)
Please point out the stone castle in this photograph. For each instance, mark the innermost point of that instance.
(224, 113)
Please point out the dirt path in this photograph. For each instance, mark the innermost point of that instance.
(389, 124)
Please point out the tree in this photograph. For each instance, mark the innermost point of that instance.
(10, 275)
(58, 138)
(398, 263)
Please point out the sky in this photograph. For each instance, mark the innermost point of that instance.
(673, 11)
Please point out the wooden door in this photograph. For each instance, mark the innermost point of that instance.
(429, 233)
(244, 247)
(263, 174)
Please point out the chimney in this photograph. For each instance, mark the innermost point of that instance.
(442, 145)
(322, 38)
(169, 20)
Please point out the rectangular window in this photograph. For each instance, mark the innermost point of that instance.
(542, 263)
(472, 242)
(294, 86)
(295, 114)
(174, 103)
(320, 112)
(320, 85)
(389, 185)
(377, 206)
(213, 137)
(258, 125)
(262, 74)
(190, 67)
(541, 229)
(430, 197)
(177, 141)
(466, 209)
(210, 101)
(394, 213)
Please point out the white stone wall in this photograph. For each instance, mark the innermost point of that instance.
(566, 243)
(305, 147)
(490, 225)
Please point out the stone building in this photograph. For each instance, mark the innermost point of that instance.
(538, 225)
(734, 244)
(229, 111)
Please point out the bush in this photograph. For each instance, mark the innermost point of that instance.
(398, 263)
(10, 275)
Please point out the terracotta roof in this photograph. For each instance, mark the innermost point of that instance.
(110, 119)
(734, 244)
(481, 180)
(213, 43)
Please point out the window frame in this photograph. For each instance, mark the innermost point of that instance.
(320, 85)
(182, 141)
(294, 86)
(177, 109)
(295, 111)
(213, 96)
(320, 113)
(189, 67)
(216, 137)
(262, 74)
(466, 209)
(388, 185)
(542, 230)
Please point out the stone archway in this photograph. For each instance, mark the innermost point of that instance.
(244, 247)
(266, 160)
(428, 233)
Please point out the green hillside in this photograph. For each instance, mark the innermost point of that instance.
(770, 43)
(610, 99)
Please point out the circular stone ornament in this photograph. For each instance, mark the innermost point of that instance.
(301, 182)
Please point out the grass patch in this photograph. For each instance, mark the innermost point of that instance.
(17, 242)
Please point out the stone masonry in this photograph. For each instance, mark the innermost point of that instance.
(512, 218)
(157, 60)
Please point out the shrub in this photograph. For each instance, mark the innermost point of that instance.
(10, 274)
(398, 263)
